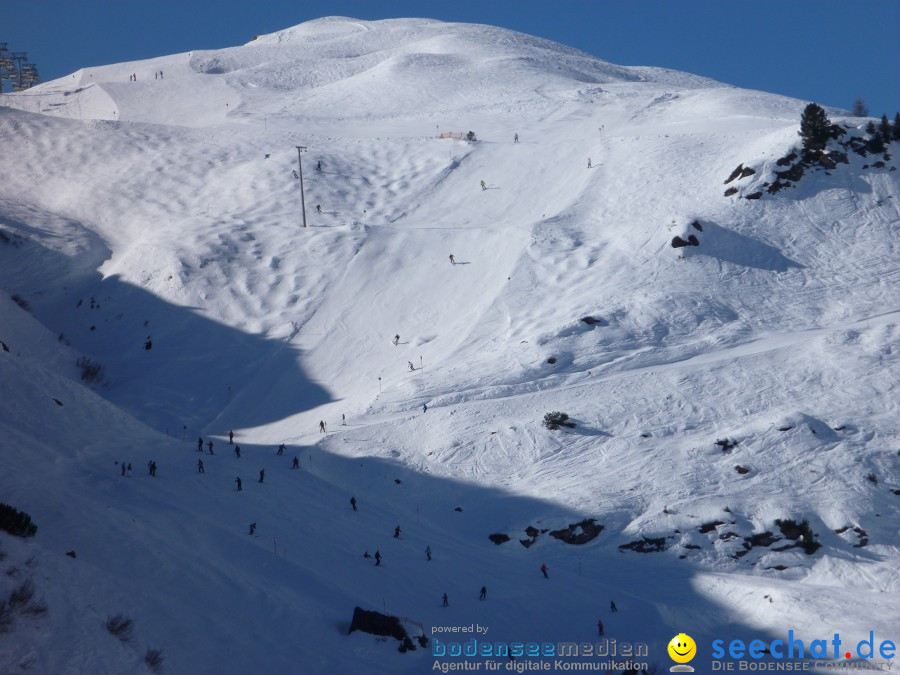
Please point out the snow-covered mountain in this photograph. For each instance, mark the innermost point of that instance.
(714, 389)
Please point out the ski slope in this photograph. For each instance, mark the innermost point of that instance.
(166, 209)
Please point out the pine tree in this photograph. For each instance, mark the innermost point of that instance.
(897, 127)
(876, 142)
(885, 128)
(815, 127)
(859, 108)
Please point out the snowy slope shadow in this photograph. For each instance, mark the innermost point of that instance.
(729, 246)
(193, 368)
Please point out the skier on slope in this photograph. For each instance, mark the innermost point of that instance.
(452, 259)
(296, 463)
(428, 552)
(544, 571)
(200, 468)
(483, 595)
(397, 532)
(237, 451)
(238, 483)
(377, 558)
(210, 446)
(322, 426)
(483, 186)
(230, 438)
(353, 503)
(262, 475)
(200, 444)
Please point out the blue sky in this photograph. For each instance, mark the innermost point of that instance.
(827, 51)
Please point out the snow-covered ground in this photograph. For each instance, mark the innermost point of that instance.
(166, 209)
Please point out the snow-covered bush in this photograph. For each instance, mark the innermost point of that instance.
(17, 523)
(120, 626)
(555, 420)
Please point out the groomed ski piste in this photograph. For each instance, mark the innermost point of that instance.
(166, 210)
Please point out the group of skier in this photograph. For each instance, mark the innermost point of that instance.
(201, 468)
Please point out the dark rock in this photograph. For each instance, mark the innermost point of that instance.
(532, 531)
(458, 509)
(726, 444)
(589, 320)
(755, 195)
(761, 539)
(743, 470)
(498, 538)
(730, 191)
(377, 623)
(747, 172)
(801, 532)
(709, 527)
(794, 174)
(734, 174)
(646, 545)
(551, 360)
(58, 402)
(71, 554)
(589, 531)
(697, 226)
(787, 159)
(678, 242)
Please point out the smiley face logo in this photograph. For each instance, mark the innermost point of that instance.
(682, 648)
